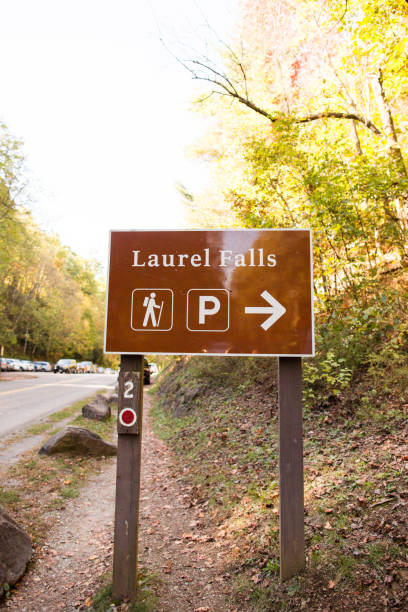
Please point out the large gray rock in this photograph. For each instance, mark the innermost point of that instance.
(98, 409)
(77, 441)
(15, 551)
(112, 397)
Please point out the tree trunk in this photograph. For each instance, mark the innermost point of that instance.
(388, 124)
(395, 211)
(356, 137)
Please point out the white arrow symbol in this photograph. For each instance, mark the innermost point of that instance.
(276, 310)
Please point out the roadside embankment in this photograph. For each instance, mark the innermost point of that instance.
(219, 415)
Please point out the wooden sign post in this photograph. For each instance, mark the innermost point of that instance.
(291, 491)
(211, 292)
(130, 414)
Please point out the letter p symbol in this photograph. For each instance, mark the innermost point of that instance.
(208, 305)
(207, 310)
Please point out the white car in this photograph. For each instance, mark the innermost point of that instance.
(28, 366)
(42, 366)
(15, 365)
(153, 368)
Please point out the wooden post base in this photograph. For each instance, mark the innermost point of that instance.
(291, 511)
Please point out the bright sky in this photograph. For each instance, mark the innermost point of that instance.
(103, 110)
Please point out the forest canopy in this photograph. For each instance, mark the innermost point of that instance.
(51, 300)
(306, 108)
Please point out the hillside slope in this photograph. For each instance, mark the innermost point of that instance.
(219, 415)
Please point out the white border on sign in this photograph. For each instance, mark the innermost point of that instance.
(235, 229)
(312, 294)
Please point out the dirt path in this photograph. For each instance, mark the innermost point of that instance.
(175, 543)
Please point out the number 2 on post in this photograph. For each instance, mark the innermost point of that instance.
(128, 393)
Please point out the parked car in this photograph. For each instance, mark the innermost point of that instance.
(69, 366)
(82, 368)
(42, 366)
(86, 366)
(153, 368)
(15, 365)
(146, 376)
(28, 366)
(3, 364)
(10, 364)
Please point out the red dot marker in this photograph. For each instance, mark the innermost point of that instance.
(128, 417)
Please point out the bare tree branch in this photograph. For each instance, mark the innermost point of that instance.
(340, 115)
(233, 89)
(344, 14)
(202, 70)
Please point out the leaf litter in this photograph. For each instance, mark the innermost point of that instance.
(174, 543)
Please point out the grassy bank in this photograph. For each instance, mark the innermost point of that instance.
(146, 599)
(356, 457)
(37, 485)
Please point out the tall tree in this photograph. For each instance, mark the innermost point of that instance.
(307, 128)
(51, 300)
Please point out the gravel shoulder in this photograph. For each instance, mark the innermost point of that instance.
(175, 543)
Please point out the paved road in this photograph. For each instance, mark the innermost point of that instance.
(35, 396)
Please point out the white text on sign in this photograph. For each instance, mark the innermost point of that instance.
(222, 258)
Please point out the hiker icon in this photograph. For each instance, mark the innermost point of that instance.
(152, 310)
(150, 304)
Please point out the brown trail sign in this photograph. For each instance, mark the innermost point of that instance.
(231, 292)
(242, 292)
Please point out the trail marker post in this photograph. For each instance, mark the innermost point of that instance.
(130, 403)
(212, 292)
